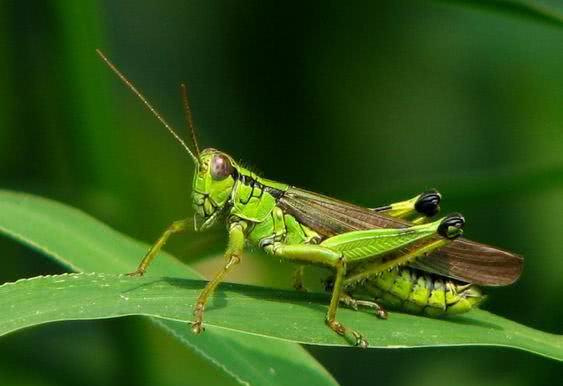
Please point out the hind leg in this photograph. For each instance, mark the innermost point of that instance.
(420, 208)
(322, 256)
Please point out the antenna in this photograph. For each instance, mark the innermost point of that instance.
(188, 116)
(147, 104)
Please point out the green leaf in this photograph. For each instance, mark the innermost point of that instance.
(84, 244)
(286, 315)
(168, 292)
(542, 10)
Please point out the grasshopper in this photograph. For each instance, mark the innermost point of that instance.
(391, 256)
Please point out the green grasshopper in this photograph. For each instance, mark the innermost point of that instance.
(392, 256)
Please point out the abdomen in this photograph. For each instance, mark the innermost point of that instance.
(417, 292)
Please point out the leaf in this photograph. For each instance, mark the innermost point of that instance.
(84, 244)
(286, 315)
(542, 10)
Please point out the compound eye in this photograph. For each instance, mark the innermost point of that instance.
(221, 167)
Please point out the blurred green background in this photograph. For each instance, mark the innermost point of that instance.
(369, 102)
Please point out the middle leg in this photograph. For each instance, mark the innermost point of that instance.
(232, 258)
(298, 279)
(355, 304)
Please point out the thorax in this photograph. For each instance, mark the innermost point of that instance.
(255, 199)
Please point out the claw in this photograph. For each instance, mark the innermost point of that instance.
(381, 314)
(197, 325)
(360, 341)
(137, 273)
(197, 328)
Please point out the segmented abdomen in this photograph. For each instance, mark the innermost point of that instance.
(418, 292)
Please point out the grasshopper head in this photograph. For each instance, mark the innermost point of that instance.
(216, 171)
(213, 183)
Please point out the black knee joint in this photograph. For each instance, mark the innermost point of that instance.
(428, 203)
(451, 227)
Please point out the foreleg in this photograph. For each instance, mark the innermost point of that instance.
(232, 258)
(175, 227)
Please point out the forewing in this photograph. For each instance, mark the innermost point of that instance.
(462, 259)
(329, 216)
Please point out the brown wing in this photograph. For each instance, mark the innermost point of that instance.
(475, 262)
(462, 259)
